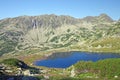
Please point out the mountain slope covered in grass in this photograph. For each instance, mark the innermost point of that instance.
(46, 32)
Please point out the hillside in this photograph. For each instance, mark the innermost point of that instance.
(46, 32)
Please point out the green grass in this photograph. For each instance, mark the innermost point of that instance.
(11, 62)
(110, 44)
(7, 46)
(107, 68)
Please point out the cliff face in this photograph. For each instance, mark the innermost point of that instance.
(52, 31)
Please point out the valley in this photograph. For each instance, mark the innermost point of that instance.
(31, 38)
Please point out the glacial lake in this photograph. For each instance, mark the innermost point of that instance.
(66, 59)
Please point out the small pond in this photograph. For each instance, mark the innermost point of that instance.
(66, 59)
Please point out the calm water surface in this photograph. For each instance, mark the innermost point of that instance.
(66, 59)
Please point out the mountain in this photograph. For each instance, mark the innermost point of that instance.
(46, 32)
(101, 18)
(28, 22)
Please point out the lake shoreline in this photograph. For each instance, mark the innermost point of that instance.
(73, 51)
(30, 58)
(45, 54)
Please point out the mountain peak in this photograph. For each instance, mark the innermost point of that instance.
(103, 14)
(105, 17)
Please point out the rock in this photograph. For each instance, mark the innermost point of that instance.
(72, 72)
(115, 76)
(46, 77)
(8, 71)
(27, 72)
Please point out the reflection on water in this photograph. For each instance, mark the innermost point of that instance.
(66, 59)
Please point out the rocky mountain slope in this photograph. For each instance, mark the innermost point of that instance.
(14, 69)
(45, 32)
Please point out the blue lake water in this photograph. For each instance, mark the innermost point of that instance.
(66, 59)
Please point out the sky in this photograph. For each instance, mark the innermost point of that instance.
(74, 8)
